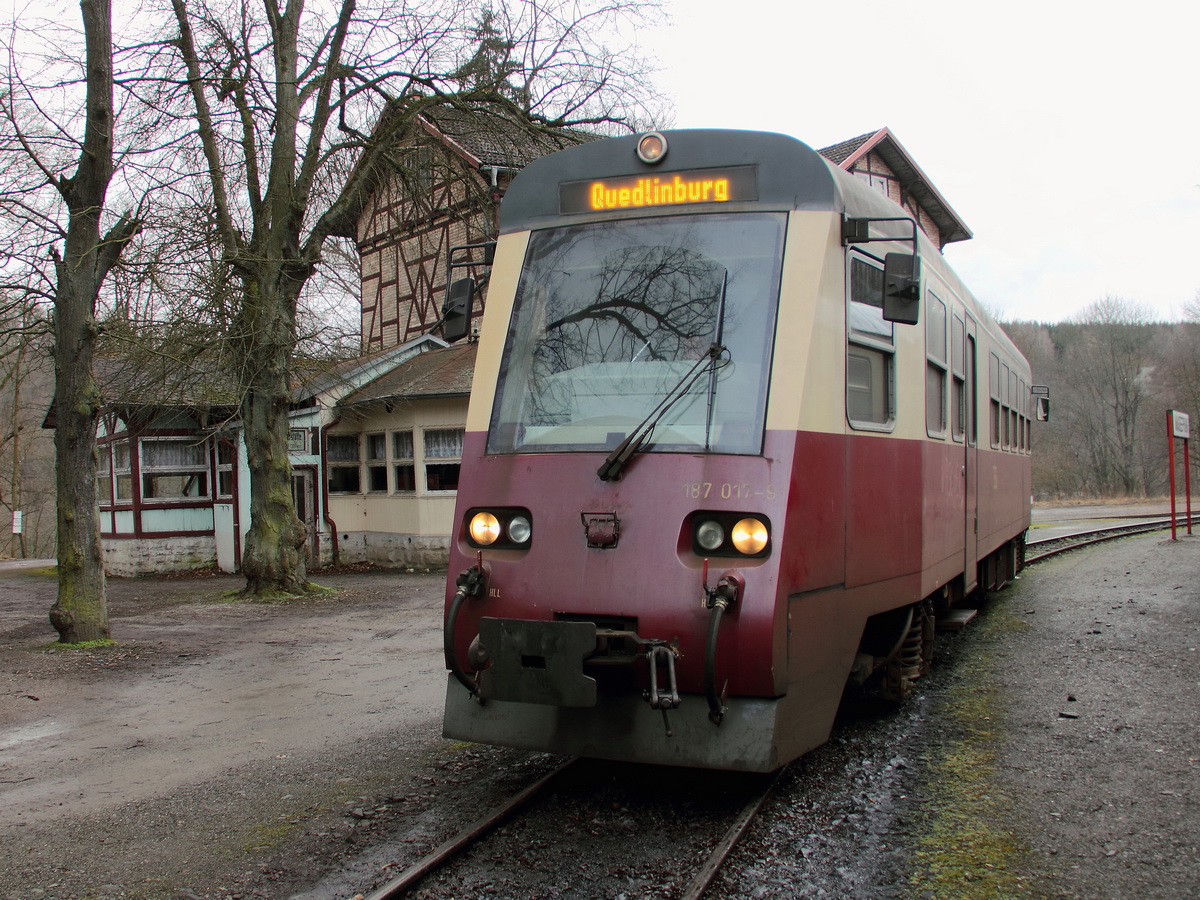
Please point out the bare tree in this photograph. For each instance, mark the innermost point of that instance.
(297, 114)
(26, 451)
(69, 157)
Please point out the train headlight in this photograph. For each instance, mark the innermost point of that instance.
(710, 535)
(484, 528)
(519, 530)
(499, 528)
(651, 147)
(732, 535)
(750, 536)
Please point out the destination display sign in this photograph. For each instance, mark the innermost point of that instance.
(664, 190)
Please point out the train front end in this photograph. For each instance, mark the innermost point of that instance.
(617, 586)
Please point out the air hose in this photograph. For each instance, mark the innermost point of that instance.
(716, 709)
(469, 584)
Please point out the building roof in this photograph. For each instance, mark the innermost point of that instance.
(912, 180)
(839, 153)
(143, 380)
(444, 372)
(494, 137)
(348, 374)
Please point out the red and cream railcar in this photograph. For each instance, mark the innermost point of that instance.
(737, 436)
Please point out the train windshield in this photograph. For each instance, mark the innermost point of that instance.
(612, 319)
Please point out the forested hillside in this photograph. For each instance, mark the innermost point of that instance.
(1112, 373)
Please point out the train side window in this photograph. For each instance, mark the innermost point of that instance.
(994, 393)
(935, 366)
(971, 393)
(1023, 394)
(870, 351)
(1005, 404)
(1013, 404)
(958, 384)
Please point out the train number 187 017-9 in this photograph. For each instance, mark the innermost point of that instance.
(711, 490)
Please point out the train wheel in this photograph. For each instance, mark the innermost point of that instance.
(912, 659)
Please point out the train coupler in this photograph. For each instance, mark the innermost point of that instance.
(659, 653)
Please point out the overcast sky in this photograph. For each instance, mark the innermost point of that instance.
(1065, 134)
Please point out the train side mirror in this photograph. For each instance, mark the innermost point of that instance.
(456, 311)
(901, 288)
(1041, 402)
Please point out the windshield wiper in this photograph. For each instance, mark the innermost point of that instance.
(712, 372)
(610, 469)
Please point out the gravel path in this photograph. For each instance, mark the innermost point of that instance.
(231, 750)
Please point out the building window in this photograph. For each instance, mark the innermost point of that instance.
(226, 454)
(122, 471)
(174, 468)
(404, 468)
(342, 456)
(878, 182)
(870, 351)
(104, 481)
(377, 479)
(443, 458)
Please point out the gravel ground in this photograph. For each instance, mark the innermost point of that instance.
(226, 750)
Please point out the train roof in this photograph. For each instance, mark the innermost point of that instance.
(790, 176)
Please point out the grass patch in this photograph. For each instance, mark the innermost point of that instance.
(267, 837)
(312, 591)
(82, 646)
(968, 847)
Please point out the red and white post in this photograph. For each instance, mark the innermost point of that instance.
(1179, 426)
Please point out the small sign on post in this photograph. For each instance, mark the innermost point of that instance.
(18, 521)
(1179, 426)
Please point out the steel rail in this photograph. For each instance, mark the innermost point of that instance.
(400, 885)
(1098, 536)
(1149, 524)
(708, 872)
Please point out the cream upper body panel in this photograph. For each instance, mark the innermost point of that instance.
(502, 290)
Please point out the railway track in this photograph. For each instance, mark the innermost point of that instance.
(701, 877)
(761, 788)
(1036, 551)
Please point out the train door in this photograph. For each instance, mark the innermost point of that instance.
(967, 423)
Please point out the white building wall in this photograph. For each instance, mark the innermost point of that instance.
(410, 529)
(129, 557)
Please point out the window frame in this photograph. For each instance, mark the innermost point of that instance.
(958, 379)
(398, 461)
(869, 346)
(451, 463)
(937, 367)
(337, 467)
(122, 472)
(225, 470)
(375, 459)
(199, 469)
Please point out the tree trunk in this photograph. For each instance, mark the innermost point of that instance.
(81, 610)
(273, 559)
